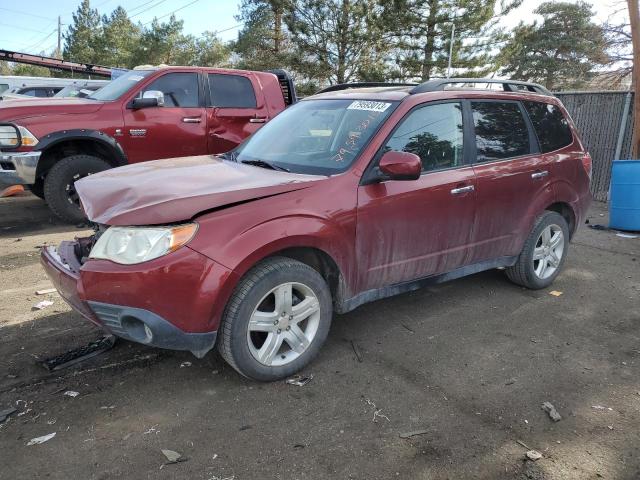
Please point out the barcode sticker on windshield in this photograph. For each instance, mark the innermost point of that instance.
(369, 105)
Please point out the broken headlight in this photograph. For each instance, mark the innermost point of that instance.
(129, 245)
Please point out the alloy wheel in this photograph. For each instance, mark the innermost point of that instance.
(283, 324)
(548, 251)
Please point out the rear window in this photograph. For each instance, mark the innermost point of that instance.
(231, 91)
(501, 130)
(551, 127)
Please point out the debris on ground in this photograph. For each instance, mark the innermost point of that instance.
(377, 412)
(597, 226)
(4, 414)
(555, 293)
(173, 457)
(185, 364)
(299, 380)
(551, 410)
(80, 354)
(511, 381)
(153, 429)
(533, 455)
(356, 350)
(414, 433)
(42, 439)
(46, 291)
(521, 443)
(626, 235)
(71, 393)
(601, 407)
(42, 305)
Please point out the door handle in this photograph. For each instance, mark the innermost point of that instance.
(460, 190)
(257, 120)
(541, 174)
(191, 119)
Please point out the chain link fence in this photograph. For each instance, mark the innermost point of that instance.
(598, 117)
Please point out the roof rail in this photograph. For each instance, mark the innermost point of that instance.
(439, 84)
(345, 86)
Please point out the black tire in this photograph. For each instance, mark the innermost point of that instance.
(58, 185)
(523, 272)
(37, 189)
(233, 343)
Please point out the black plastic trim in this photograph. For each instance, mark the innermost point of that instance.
(55, 138)
(379, 293)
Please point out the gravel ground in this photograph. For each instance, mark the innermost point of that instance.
(467, 364)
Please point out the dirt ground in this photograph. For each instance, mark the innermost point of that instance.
(467, 363)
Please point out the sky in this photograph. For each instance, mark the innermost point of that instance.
(31, 25)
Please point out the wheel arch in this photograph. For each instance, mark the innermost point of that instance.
(58, 145)
(566, 210)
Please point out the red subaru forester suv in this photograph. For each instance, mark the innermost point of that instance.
(352, 195)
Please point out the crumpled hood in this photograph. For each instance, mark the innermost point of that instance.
(177, 189)
(16, 109)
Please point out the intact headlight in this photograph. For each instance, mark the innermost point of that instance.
(129, 245)
(9, 137)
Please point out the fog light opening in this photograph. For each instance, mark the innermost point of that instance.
(137, 329)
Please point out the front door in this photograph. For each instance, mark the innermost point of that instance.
(177, 129)
(412, 229)
(233, 112)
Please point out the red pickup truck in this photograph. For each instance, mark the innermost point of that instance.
(142, 115)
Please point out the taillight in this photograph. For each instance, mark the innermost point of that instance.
(587, 164)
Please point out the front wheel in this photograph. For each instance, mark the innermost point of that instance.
(543, 254)
(276, 320)
(59, 185)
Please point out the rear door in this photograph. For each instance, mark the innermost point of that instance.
(177, 129)
(412, 229)
(235, 109)
(510, 174)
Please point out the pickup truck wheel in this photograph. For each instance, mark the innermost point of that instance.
(276, 320)
(543, 254)
(59, 190)
(37, 189)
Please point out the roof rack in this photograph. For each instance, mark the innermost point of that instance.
(345, 86)
(439, 84)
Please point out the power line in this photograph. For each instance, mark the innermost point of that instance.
(171, 13)
(147, 9)
(25, 13)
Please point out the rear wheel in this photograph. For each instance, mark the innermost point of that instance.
(59, 185)
(276, 320)
(543, 254)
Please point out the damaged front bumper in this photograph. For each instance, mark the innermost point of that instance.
(87, 291)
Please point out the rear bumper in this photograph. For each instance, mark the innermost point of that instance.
(18, 168)
(124, 316)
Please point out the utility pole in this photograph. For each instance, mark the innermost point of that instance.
(453, 33)
(59, 51)
(634, 18)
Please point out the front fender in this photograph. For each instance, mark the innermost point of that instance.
(117, 158)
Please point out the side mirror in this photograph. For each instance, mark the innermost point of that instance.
(150, 98)
(400, 165)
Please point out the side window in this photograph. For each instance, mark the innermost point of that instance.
(231, 91)
(434, 133)
(501, 130)
(27, 91)
(179, 89)
(551, 127)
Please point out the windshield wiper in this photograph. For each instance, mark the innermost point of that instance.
(263, 164)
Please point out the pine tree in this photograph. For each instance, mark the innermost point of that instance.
(82, 34)
(560, 52)
(119, 40)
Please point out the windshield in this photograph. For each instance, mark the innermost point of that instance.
(118, 87)
(321, 137)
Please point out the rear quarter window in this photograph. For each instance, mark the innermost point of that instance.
(231, 91)
(550, 125)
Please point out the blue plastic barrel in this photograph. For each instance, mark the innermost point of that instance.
(624, 206)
